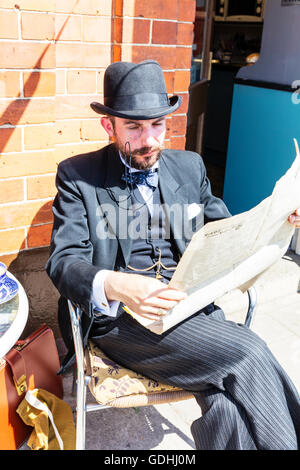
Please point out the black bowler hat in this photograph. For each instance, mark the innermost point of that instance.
(136, 91)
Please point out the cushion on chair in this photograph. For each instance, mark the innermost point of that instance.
(110, 381)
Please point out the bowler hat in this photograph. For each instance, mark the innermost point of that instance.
(136, 91)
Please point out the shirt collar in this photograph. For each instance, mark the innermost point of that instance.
(133, 170)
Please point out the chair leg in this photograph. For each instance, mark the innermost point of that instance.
(74, 381)
(80, 412)
(81, 384)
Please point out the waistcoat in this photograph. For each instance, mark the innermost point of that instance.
(153, 250)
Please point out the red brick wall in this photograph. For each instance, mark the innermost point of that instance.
(52, 59)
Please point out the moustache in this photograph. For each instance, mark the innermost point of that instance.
(144, 150)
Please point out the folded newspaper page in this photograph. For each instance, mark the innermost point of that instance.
(231, 253)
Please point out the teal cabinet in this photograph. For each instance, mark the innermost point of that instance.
(264, 122)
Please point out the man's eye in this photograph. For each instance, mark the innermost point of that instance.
(133, 128)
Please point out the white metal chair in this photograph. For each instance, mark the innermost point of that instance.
(83, 378)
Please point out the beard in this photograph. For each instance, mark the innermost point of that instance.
(133, 160)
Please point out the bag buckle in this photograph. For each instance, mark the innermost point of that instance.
(21, 385)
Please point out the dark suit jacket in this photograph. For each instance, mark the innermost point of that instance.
(86, 208)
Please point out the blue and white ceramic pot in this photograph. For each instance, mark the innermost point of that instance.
(8, 287)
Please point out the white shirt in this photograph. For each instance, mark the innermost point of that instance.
(98, 297)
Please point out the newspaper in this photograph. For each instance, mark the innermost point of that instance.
(231, 253)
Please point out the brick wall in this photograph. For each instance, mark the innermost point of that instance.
(53, 54)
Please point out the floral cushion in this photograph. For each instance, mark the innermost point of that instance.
(110, 380)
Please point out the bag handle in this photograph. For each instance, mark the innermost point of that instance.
(17, 364)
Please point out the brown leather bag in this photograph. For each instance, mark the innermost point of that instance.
(31, 363)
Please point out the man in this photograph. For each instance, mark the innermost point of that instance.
(99, 262)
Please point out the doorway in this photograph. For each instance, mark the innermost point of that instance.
(220, 49)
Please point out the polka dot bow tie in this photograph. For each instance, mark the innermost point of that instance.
(149, 178)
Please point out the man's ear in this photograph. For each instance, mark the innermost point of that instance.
(107, 126)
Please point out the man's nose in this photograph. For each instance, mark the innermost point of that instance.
(147, 138)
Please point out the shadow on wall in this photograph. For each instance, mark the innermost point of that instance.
(29, 268)
(15, 110)
(29, 264)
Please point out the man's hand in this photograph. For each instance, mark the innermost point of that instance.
(294, 218)
(144, 295)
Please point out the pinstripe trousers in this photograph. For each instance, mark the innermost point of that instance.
(247, 400)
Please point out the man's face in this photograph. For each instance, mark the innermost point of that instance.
(146, 139)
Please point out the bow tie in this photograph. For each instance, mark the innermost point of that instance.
(149, 178)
